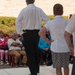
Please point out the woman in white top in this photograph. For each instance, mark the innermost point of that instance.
(59, 47)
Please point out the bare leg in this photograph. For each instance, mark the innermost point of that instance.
(66, 71)
(58, 71)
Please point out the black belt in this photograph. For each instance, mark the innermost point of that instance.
(31, 30)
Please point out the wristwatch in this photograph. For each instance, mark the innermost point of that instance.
(70, 46)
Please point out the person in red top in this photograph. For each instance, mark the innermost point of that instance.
(3, 44)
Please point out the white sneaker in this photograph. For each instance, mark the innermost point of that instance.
(2, 63)
(44, 63)
(7, 62)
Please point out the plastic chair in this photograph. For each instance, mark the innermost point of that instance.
(41, 57)
(11, 58)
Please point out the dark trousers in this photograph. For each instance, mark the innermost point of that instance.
(44, 54)
(31, 39)
(73, 69)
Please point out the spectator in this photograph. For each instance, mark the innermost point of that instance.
(3, 48)
(70, 29)
(15, 49)
(59, 48)
(45, 48)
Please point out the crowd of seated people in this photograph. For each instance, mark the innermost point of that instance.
(44, 48)
(12, 46)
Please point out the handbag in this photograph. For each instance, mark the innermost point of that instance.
(4, 48)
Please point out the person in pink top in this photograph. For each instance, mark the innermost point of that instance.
(3, 48)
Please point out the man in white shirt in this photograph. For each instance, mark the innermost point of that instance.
(15, 49)
(68, 31)
(31, 17)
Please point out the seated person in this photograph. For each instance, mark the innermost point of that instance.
(43, 48)
(3, 48)
(15, 49)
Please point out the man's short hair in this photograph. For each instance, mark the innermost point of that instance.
(12, 34)
(30, 1)
(58, 9)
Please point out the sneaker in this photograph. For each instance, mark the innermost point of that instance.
(2, 63)
(49, 63)
(44, 63)
(16, 66)
(23, 65)
(7, 62)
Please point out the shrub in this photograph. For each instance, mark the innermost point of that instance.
(7, 24)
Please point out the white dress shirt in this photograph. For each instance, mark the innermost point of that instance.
(71, 29)
(57, 28)
(10, 41)
(31, 17)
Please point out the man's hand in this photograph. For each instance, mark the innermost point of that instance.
(23, 33)
(15, 44)
(18, 43)
(50, 41)
(72, 51)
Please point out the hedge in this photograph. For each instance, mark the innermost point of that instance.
(7, 24)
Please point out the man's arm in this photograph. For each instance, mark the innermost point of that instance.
(68, 39)
(44, 17)
(18, 23)
(15, 44)
(20, 45)
(69, 30)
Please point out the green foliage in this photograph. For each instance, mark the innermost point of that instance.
(7, 24)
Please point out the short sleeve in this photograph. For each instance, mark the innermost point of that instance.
(47, 26)
(10, 42)
(71, 25)
(44, 16)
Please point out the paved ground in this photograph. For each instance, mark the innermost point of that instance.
(44, 70)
